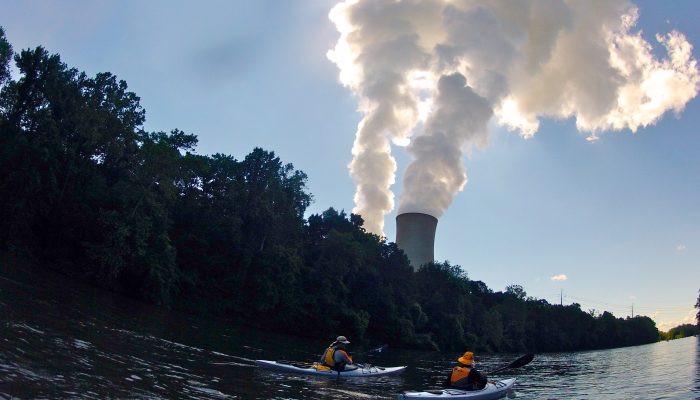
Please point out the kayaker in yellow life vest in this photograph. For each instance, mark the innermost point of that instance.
(465, 376)
(337, 357)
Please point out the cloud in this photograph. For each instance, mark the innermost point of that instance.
(433, 73)
(666, 324)
(680, 247)
(560, 277)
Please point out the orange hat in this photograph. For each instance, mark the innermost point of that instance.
(467, 358)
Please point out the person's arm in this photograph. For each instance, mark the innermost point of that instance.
(448, 380)
(480, 379)
(342, 356)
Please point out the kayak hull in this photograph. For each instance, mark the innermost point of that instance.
(363, 372)
(493, 390)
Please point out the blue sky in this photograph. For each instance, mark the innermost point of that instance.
(620, 217)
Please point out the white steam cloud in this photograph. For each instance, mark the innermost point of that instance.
(558, 278)
(431, 74)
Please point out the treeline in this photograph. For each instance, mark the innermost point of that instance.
(87, 191)
(685, 330)
(680, 332)
(697, 316)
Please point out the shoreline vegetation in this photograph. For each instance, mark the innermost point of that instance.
(89, 193)
(680, 332)
(684, 330)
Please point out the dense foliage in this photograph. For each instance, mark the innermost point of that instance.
(680, 332)
(88, 192)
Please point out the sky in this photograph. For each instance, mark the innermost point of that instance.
(612, 223)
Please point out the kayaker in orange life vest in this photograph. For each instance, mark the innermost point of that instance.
(337, 357)
(465, 376)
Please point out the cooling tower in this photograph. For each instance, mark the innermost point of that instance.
(415, 235)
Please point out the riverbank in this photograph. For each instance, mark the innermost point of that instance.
(63, 339)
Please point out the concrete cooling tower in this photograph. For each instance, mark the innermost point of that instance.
(415, 235)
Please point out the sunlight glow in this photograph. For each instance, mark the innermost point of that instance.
(422, 83)
(510, 116)
(343, 55)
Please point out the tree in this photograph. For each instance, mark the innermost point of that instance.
(443, 294)
(517, 291)
(44, 141)
(697, 305)
(84, 189)
(5, 57)
(680, 331)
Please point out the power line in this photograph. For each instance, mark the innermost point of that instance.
(666, 310)
(616, 306)
(673, 307)
(598, 302)
(622, 308)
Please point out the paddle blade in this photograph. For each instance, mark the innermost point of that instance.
(379, 349)
(522, 361)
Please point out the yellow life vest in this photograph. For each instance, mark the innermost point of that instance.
(328, 357)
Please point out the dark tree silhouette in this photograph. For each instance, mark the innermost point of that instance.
(5, 57)
(697, 305)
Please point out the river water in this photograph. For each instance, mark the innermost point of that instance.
(59, 339)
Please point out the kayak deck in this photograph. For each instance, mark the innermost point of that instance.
(361, 371)
(493, 390)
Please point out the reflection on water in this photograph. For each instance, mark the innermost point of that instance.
(697, 370)
(660, 370)
(60, 339)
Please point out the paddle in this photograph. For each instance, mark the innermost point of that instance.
(374, 350)
(520, 362)
(379, 349)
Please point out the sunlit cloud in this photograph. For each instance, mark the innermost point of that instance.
(665, 324)
(434, 73)
(680, 247)
(560, 277)
(510, 116)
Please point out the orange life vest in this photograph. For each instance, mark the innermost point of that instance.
(459, 376)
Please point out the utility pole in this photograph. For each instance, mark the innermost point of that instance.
(632, 310)
(561, 298)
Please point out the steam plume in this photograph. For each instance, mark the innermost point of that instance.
(433, 73)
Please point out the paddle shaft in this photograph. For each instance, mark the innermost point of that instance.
(520, 362)
(498, 370)
(374, 350)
